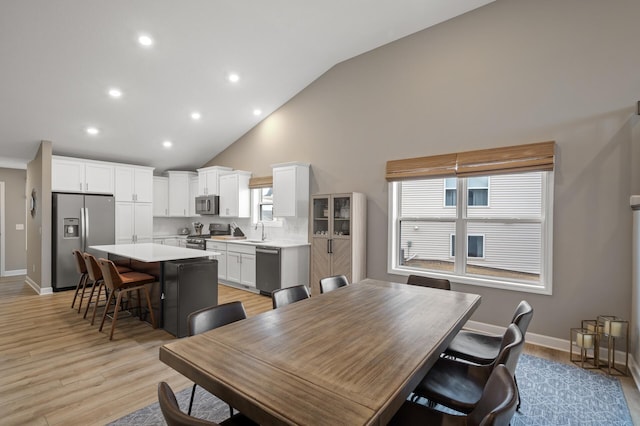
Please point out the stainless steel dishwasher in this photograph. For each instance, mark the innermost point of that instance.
(268, 274)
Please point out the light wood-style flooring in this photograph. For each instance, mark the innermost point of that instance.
(57, 369)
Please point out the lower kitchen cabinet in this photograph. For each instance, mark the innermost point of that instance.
(221, 258)
(241, 264)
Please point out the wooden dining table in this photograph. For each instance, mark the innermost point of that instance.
(351, 356)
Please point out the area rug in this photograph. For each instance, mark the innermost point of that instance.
(552, 394)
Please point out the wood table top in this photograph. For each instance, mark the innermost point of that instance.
(351, 356)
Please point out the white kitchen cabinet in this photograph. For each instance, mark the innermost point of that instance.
(160, 196)
(134, 222)
(235, 197)
(193, 193)
(208, 179)
(221, 258)
(134, 183)
(290, 189)
(77, 175)
(241, 264)
(179, 187)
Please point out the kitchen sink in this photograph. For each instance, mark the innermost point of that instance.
(256, 241)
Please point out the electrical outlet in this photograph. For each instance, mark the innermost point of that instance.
(34, 267)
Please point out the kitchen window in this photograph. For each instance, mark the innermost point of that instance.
(503, 244)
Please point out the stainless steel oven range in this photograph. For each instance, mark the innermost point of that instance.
(199, 241)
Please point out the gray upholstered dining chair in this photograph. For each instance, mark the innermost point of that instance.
(287, 295)
(419, 280)
(213, 317)
(333, 283)
(459, 384)
(496, 406)
(174, 417)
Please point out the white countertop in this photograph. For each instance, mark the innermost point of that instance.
(267, 243)
(149, 252)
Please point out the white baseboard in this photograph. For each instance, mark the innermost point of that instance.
(554, 343)
(34, 285)
(15, 272)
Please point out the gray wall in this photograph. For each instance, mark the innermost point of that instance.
(39, 226)
(15, 255)
(509, 73)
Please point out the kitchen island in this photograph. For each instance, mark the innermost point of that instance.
(188, 279)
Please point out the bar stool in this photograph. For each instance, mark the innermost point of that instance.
(82, 270)
(95, 275)
(123, 284)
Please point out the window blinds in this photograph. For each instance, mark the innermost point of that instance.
(512, 159)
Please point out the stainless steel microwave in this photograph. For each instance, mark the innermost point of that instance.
(207, 204)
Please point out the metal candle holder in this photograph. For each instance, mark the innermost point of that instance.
(611, 328)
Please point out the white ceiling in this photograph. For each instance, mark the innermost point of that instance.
(59, 58)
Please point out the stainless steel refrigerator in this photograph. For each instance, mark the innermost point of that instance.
(79, 221)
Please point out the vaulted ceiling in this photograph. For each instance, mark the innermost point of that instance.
(59, 60)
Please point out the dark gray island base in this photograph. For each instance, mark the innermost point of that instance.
(186, 283)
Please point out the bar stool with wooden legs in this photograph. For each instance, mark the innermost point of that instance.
(82, 270)
(95, 274)
(118, 285)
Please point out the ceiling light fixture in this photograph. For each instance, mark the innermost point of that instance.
(145, 40)
(234, 78)
(92, 130)
(167, 144)
(195, 115)
(257, 112)
(115, 92)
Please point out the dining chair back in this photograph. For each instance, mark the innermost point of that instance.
(213, 317)
(285, 296)
(499, 400)
(422, 281)
(175, 417)
(333, 283)
(522, 316)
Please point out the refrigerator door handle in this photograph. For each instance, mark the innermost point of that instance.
(86, 228)
(82, 229)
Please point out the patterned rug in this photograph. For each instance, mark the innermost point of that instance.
(552, 394)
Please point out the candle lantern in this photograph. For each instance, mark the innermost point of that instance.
(613, 335)
(585, 341)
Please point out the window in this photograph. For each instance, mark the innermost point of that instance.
(508, 243)
(265, 204)
(504, 237)
(477, 191)
(475, 246)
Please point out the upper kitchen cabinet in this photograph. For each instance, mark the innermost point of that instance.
(77, 175)
(160, 196)
(179, 197)
(290, 189)
(235, 197)
(134, 183)
(208, 179)
(194, 181)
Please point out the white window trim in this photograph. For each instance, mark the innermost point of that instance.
(545, 286)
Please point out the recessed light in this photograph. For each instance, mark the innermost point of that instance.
(167, 144)
(92, 130)
(145, 40)
(196, 115)
(257, 112)
(115, 92)
(234, 78)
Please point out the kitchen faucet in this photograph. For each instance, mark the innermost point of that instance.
(261, 223)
